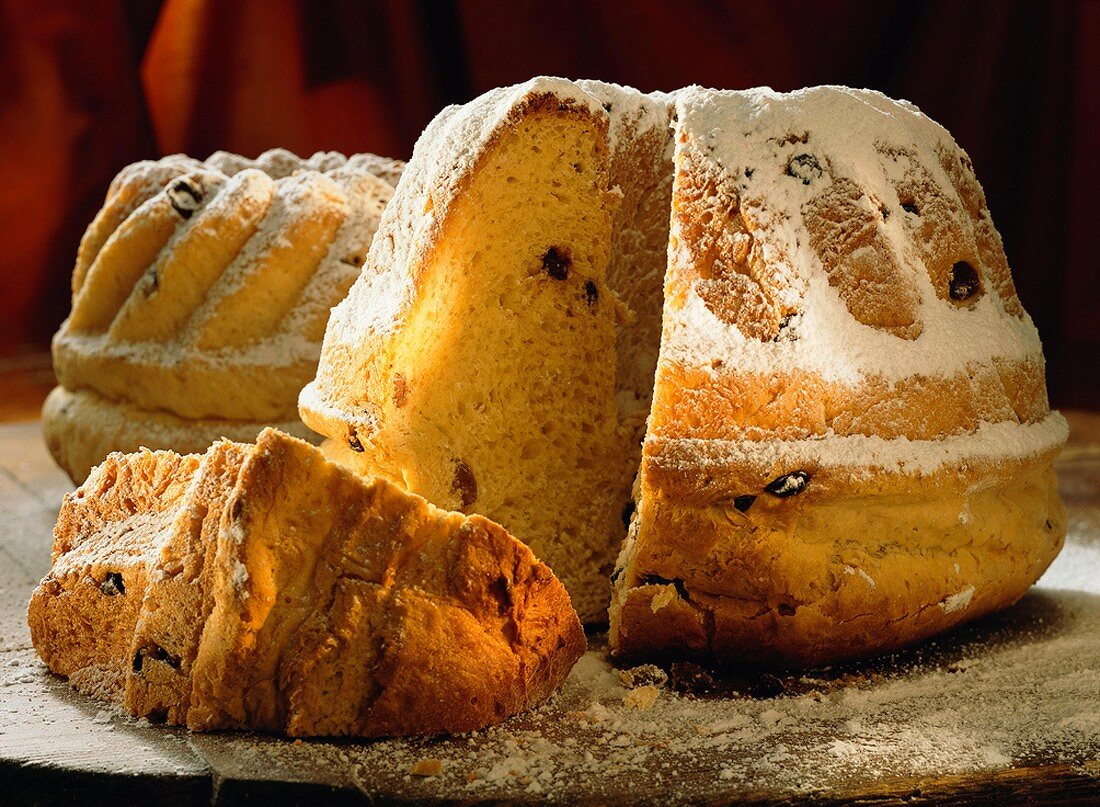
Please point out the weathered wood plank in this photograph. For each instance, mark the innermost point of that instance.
(26, 461)
(26, 525)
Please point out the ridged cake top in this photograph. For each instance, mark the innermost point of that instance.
(860, 242)
(194, 269)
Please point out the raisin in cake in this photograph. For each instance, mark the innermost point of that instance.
(848, 444)
(200, 294)
(262, 586)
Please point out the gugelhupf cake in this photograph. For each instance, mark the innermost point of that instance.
(200, 295)
(261, 586)
(849, 445)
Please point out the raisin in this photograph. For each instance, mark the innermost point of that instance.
(153, 285)
(501, 589)
(353, 442)
(786, 609)
(157, 653)
(910, 207)
(591, 293)
(788, 484)
(964, 281)
(743, 503)
(804, 167)
(785, 323)
(464, 484)
(112, 584)
(628, 513)
(749, 172)
(185, 197)
(556, 263)
(400, 390)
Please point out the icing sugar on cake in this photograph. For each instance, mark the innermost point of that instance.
(749, 135)
(837, 310)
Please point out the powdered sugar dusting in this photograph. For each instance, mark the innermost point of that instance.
(628, 109)
(990, 441)
(746, 135)
(958, 602)
(826, 341)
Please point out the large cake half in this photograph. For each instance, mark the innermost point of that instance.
(200, 295)
(849, 444)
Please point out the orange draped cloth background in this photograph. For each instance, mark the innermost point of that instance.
(88, 87)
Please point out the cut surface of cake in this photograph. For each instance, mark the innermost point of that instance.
(200, 295)
(483, 359)
(848, 445)
(83, 613)
(264, 587)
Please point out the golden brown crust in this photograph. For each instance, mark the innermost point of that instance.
(824, 576)
(722, 403)
(269, 588)
(81, 428)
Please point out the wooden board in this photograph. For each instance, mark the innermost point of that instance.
(1007, 708)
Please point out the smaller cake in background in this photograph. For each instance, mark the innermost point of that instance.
(200, 296)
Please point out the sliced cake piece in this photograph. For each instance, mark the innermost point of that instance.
(269, 588)
(177, 601)
(82, 615)
(345, 606)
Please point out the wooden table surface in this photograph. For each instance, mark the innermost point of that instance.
(921, 729)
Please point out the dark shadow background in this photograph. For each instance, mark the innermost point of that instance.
(87, 87)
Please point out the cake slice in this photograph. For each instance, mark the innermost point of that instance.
(346, 606)
(82, 615)
(177, 600)
(266, 587)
